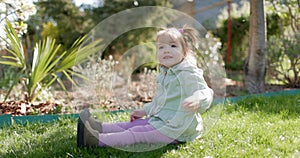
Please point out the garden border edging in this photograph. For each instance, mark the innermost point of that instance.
(8, 120)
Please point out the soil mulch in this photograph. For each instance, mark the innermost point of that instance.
(62, 106)
(21, 108)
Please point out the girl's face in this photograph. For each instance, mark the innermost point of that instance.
(169, 51)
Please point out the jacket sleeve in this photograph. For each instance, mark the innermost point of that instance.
(207, 95)
(193, 82)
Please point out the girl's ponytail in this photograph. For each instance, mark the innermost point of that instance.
(191, 38)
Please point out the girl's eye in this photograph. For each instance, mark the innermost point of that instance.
(160, 47)
(173, 45)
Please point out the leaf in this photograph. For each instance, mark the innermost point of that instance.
(78, 55)
(17, 54)
(44, 62)
(11, 63)
(15, 45)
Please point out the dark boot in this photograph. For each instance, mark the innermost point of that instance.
(80, 133)
(86, 136)
(95, 124)
(85, 115)
(91, 136)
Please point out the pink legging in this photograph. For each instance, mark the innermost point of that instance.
(127, 133)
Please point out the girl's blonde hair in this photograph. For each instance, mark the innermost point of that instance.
(187, 37)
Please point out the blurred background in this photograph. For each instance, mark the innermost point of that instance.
(227, 23)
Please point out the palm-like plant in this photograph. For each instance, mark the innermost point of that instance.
(47, 62)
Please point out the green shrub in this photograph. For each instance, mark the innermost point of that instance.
(7, 76)
(284, 60)
(47, 63)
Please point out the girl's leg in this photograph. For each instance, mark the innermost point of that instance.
(136, 134)
(122, 126)
(85, 115)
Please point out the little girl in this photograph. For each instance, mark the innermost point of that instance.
(173, 116)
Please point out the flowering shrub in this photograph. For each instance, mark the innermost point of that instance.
(100, 75)
(17, 11)
(211, 62)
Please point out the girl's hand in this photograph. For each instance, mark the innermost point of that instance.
(192, 103)
(136, 114)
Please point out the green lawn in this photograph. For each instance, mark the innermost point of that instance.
(253, 127)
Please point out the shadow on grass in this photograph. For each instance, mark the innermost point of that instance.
(112, 152)
(59, 140)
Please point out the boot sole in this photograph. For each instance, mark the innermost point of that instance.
(80, 133)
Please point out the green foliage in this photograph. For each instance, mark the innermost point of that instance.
(129, 40)
(133, 37)
(18, 58)
(283, 49)
(71, 21)
(240, 38)
(279, 15)
(7, 76)
(287, 12)
(114, 6)
(273, 28)
(284, 60)
(50, 30)
(47, 63)
(239, 41)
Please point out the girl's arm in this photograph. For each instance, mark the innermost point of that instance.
(200, 101)
(199, 95)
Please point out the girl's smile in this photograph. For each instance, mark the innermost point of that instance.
(167, 57)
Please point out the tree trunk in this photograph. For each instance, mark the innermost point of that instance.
(255, 65)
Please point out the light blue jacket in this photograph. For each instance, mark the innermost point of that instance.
(166, 112)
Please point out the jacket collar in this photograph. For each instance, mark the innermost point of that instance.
(183, 65)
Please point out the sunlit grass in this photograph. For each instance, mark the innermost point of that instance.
(253, 127)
